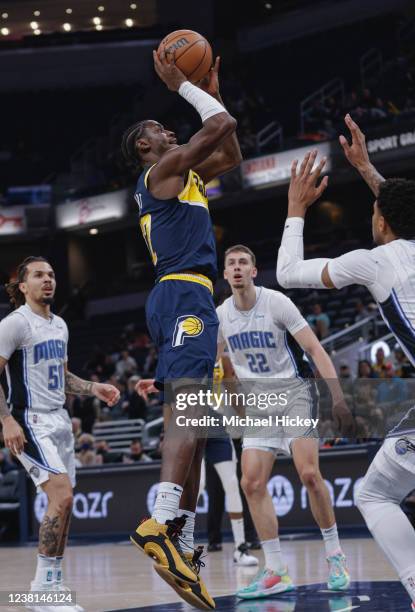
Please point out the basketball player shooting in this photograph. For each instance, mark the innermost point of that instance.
(180, 312)
(388, 272)
(36, 427)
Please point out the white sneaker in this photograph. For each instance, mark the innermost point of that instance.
(242, 557)
(64, 588)
(53, 588)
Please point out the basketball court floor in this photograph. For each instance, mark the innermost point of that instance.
(116, 577)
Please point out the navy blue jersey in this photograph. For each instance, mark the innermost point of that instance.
(178, 231)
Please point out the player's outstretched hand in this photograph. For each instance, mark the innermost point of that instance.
(343, 419)
(107, 393)
(168, 71)
(145, 387)
(210, 83)
(303, 189)
(14, 438)
(356, 153)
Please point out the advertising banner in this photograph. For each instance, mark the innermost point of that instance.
(96, 209)
(110, 501)
(12, 220)
(276, 168)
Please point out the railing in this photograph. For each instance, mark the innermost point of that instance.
(353, 333)
(371, 66)
(272, 131)
(330, 89)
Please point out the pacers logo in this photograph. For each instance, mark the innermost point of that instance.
(187, 326)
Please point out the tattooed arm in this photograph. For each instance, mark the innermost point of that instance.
(14, 438)
(358, 156)
(77, 386)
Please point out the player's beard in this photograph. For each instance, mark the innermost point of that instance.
(48, 301)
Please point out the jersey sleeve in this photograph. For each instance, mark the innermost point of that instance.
(286, 313)
(13, 335)
(358, 267)
(66, 341)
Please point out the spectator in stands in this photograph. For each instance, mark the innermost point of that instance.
(87, 409)
(157, 452)
(402, 365)
(108, 368)
(134, 405)
(87, 454)
(319, 321)
(5, 464)
(76, 430)
(365, 395)
(381, 363)
(361, 311)
(365, 370)
(392, 388)
(150, 362)
(346, 380)
(136, 455)
(126, 366)
(103, 449)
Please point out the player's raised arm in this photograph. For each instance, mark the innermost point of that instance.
(358, 155)
(14, 438)
(357, 267)
(218, 124)
(228, 155)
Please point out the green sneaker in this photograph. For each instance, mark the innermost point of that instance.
(339, 577)
(266, 583)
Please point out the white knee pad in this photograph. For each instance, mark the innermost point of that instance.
(227, 473)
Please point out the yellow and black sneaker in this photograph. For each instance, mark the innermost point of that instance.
(160, 542)
(194, 594)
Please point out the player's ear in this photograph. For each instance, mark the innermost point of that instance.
(225, 274)
(254, 272)
(143, 146)
(23, 287)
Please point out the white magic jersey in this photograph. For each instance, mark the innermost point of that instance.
(388, 271)
(260, 341)
(36, 350)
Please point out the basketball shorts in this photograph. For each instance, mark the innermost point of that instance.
(303, 403)
(182, 321)
(219, 450)
(50, 444)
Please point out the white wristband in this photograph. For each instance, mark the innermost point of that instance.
(204, 103)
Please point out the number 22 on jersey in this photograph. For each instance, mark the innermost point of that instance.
(145, 224)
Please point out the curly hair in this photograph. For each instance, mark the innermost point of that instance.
(396, 201)
(16, 297)
(128, 144)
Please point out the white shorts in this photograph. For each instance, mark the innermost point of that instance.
(390, 463)
(272, 445)
(50, 444)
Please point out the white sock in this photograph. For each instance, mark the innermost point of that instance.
(238, 531)
(273, 556)
(187, 543)
(57, 572)
(44, 571)
(331, 541)
(167, 502)
(409, 584)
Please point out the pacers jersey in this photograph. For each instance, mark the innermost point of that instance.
(178, 231)
(36, 351)
(260, 341)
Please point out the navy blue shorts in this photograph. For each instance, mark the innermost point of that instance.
(182, 321)
(218, 450)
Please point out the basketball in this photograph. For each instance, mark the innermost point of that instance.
(191, 52)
